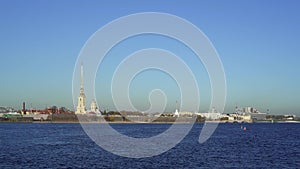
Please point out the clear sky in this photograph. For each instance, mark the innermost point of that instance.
(257, 41)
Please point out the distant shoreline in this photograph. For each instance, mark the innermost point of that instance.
(127, 122)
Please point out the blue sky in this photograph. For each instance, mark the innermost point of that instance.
(257, 41)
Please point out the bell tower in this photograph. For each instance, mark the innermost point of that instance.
(81, 106)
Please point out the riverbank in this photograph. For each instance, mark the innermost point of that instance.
(72, 118)
(133, 122)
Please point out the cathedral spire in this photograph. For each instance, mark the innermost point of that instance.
(81, 80)
(81, 108)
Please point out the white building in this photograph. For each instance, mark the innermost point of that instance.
(212, 115)
(186, 114)
(176, 113)
(94, 107)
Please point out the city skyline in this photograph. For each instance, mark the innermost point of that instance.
(257, 43)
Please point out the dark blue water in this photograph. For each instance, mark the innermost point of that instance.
(67, 146)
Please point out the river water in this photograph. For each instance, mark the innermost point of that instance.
(262, 145)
